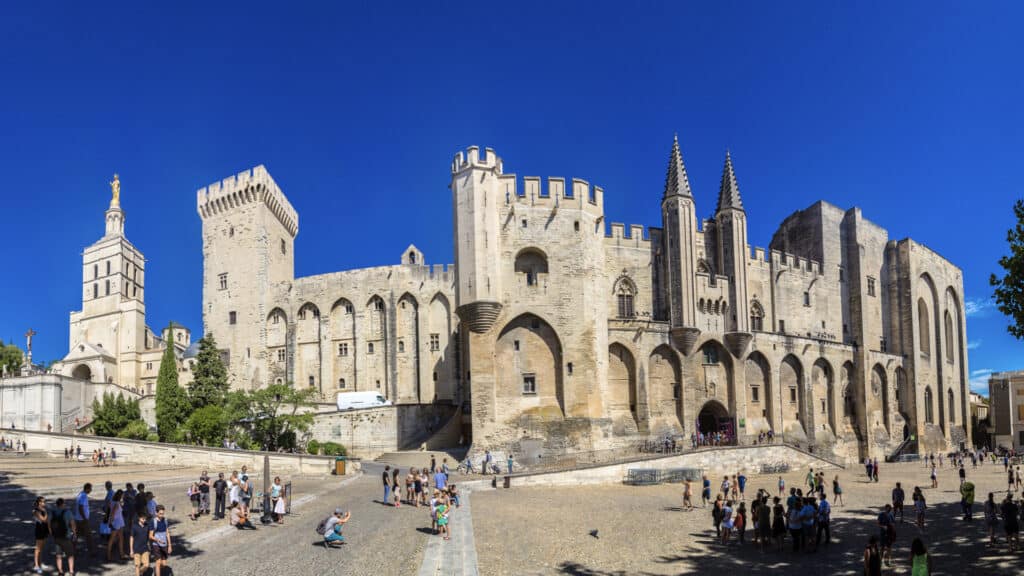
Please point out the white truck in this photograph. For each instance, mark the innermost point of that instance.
(355, 400)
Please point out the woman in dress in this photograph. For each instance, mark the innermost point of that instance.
(42, 530)
(920, 560)
(116, 526)
(277, 496)
(394, 487)
(778, 522)
(837, 491)
(727, 521)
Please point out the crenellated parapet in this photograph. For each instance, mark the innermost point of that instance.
(788, 262)
(636, 235)
(249, 186)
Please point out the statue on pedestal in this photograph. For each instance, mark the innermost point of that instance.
(115, 189)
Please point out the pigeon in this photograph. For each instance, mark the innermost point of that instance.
(593, 533)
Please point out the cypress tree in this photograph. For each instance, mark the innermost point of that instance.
(172, 405)
(209, 377)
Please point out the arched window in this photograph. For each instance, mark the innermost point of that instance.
(949, 338)
(624, 293)
(401, 345)
(922, 326)
(717, 304)
(952, 407)
(928, 409)
(703, 267)
(531, 263)
(756, 316)
(341, 383)
(312, 381)
(700, 305)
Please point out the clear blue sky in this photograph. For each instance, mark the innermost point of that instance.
(912, 111)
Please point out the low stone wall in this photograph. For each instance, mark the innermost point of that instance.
(157, 453)
(370, 432)
(716, 462)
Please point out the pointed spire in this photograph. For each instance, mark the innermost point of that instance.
(676, 181)
(729, 193)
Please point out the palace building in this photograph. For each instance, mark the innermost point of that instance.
(555, 332)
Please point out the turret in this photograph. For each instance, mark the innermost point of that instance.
(731, 225)
(475, 198)
(679, 220)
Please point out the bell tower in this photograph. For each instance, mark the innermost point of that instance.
(731, 223)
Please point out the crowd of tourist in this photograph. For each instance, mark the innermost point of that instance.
(132, 523)
(804, 517)
(426, 487)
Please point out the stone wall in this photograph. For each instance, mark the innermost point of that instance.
(156, 453)
(713, 462)
(370, 432)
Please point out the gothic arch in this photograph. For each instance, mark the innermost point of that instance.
(794, 401)
(531, 263)
(880, 387)
(714, 417)
(823, 393)
(344, 344)
(756, 316)
(82, 372)
(624, 295)
(529, 351)
(622, 389)
(407, 359)
(372, 354)
(757, 374)
(714, 374)
(664, 388)
(441, 357)
(929, 408)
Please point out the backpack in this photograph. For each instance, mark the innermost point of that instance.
(321, 527)
(60, 524)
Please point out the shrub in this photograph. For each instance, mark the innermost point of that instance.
(313, 447)
(135, 430)
(333, 449)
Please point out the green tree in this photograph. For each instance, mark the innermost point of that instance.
(135, 430)
(209, 377)
(273, 416)
(172, 405)
(112, 414)
(10, 358)
(1009, 290)
(207, 426)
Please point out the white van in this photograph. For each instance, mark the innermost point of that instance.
(354, 400)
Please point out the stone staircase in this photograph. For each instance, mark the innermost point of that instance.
(421, 459)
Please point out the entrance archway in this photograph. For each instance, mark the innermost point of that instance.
(713, 417)
(82, 372)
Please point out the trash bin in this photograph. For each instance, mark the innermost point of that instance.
(339, 465)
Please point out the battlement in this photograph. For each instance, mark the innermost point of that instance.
(797, 264)
(636, 234)
(254, 185)
(471, 158)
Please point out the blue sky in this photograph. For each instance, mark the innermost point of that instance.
(911, 111)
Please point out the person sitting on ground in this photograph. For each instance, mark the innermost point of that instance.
(332, 530)
(238, 519)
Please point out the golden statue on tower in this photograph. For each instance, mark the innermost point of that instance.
(115, 188)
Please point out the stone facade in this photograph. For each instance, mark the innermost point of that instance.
(1006, 409)
(109, 339)
(56, 403)
(837, 337)
(551, 330)
(389, 328)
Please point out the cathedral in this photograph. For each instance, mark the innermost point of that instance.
(555, 332)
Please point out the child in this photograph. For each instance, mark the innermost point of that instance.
(453, 493)
(160, 539)
(782, 486)
(442, 517)
(193, 496)
(688, 495)
(139, 544)
(433, 511)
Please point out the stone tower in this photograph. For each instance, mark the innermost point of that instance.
(679, 218)
(108, 333)
(475, 192)
(249, 229)
(731, 225)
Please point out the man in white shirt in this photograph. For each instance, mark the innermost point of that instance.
(81, 515)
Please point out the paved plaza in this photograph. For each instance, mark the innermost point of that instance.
(644, 530)
(639, 530)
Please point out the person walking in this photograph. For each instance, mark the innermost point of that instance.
(727, 521)
(716, 515)
(898, 496)
(919, 507)
(782, 486)
(963, 475)
(116, 522)
(63, 529)
(688, 495)
(887, 533)
(874, 469)
(935, 477)
(511, 461)
(967, 500)
(778, 522)
(395, 487)
(991, 512)
(741, 482)
(139, 545)
(441, 513)
(386, 477)
(920, 560)
(705, 492)
(872, 558)
(837, 491)
(160, 539)
(42, 532)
